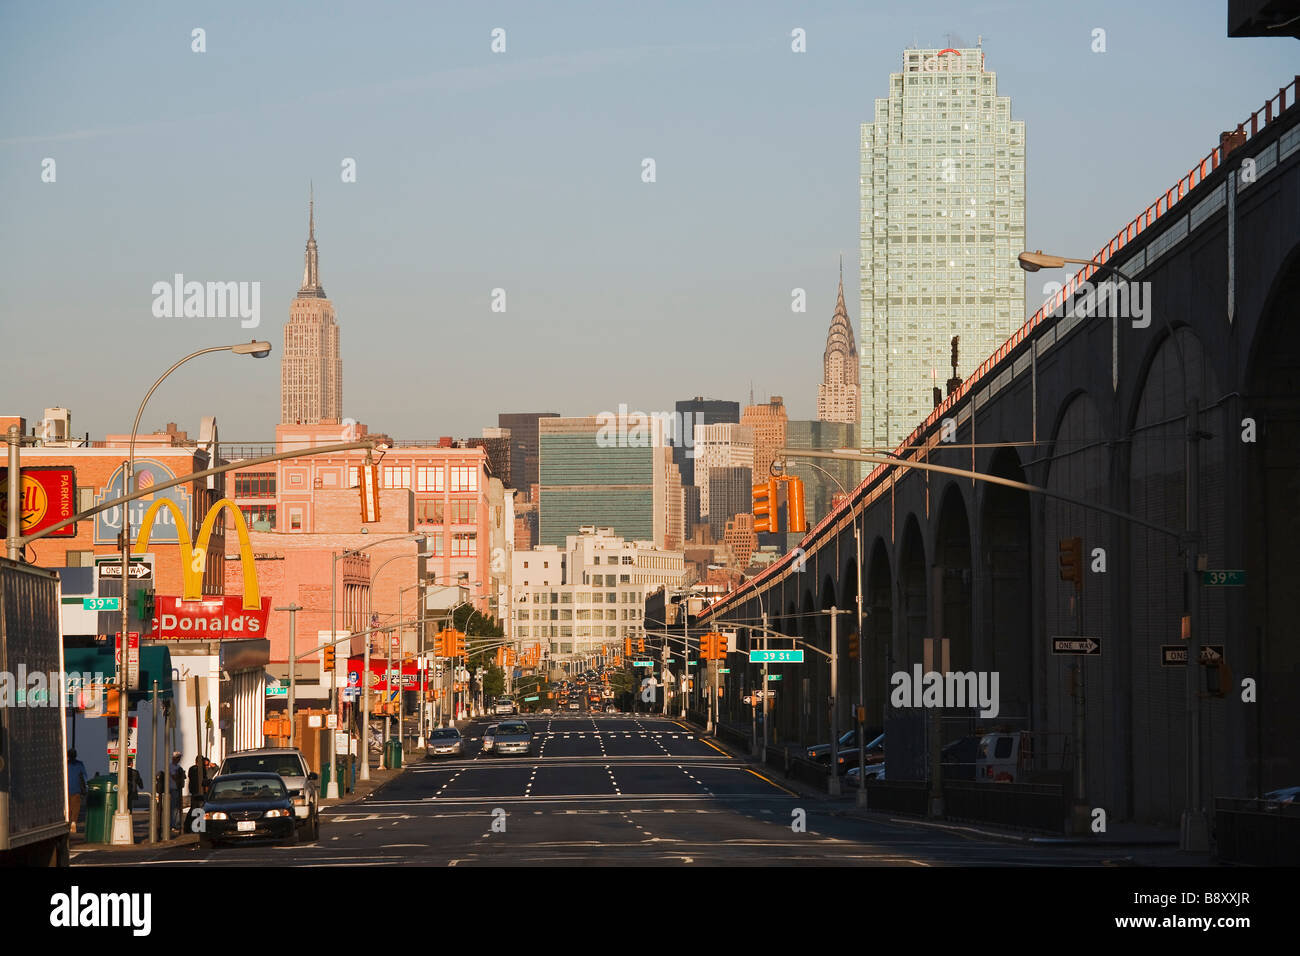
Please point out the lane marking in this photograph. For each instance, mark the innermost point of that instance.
(772, 782)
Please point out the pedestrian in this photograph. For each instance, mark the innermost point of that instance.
(177, 774)
(76, 787)
(134, 785)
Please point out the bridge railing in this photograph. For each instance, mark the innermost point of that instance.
(871, 485)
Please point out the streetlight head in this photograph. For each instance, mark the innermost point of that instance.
(254, 348)
(1033, 261)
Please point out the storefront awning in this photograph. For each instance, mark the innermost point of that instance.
(155, 665)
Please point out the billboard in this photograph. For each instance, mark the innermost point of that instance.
(108, 523)
(48, 496)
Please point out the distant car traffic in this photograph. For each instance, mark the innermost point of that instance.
(246, 806)
(512, 737)
(445, 741)
(289, 763)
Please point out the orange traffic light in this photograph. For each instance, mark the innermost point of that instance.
(327, 660)
(460, 644)
(765, 505)
(796, 521)
(640, 645)
(853, 647)
(1071, 558)
(627, 645)
(720, 647)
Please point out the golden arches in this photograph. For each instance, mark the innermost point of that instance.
(192, 576)
(193, 581)
(247, 563)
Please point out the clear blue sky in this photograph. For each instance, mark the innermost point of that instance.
(522, 170)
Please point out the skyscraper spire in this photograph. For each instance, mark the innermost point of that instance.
(837, 396)
(311, 287)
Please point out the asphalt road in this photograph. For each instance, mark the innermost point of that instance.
(611, 790)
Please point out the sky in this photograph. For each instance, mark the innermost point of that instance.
(522, 171)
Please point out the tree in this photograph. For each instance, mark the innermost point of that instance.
(494, 681)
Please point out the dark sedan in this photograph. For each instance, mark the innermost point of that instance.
(244, 806)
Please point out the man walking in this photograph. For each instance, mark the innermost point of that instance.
(177, 775)
(76, 787)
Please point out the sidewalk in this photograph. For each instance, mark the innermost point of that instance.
(1149, 845)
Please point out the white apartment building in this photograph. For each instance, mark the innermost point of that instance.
(589, 593)
(720, 446)
(942, 221)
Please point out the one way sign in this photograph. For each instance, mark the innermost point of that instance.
(1087, 646)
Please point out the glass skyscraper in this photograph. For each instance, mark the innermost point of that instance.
(942, 221)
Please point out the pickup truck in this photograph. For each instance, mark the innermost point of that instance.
(33, 747)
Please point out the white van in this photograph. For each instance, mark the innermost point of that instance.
(1004, 757)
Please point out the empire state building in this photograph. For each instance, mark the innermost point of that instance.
(311, 372)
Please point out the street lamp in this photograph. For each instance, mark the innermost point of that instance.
(1194, 832)
(122, 832)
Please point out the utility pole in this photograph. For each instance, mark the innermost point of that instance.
(936, 660)
(766, 722)
(1195, 836)
(364, 745)
(293, 610)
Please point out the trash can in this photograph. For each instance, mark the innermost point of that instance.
(101, 804)
(393, 754)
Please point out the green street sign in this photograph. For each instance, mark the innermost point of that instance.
(101, 604)
(776, 657)
(277, 692)
(1223, 579)
(643, 663)
(692, 663)
(724, 670)
(529, 700)
(773, 676)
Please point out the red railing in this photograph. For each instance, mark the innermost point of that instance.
(1172, 196)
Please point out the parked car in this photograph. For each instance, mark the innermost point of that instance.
(288, 762)
(1282, 797)
(487, 738)
(958, 758)
(1003, 757)
(848, 757)
(512, 737)
(445, 741)
(852, 777)
(243, 806)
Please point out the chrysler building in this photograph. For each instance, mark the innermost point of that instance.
(311, 372)
(837, 395)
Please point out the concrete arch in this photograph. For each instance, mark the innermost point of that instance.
(1082, 467)
(1270, 646)
(877, 644)
(1157, 493)
(913, 591)
(1004, 635)
(952, 552)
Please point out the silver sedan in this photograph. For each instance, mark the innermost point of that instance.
(446, 742)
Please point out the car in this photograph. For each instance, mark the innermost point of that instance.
(445, 741)
(611, 709)
(547, 711)
(512, 737)
(574, 705)
(822, 752)
(246, 806)
(852, 778)
(504, 705)
(289, 763)
(487, 738)
(1282, 797)
(848, 757)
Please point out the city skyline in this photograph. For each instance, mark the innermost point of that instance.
(472, 212)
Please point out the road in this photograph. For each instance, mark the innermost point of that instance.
(609, 790)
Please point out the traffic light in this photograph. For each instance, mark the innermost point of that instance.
(459, 638)
(327, 660)
(764, 507)
(627, 645)
(853, 647)
(796, 521)
(720, 646)
(706, 647)
(1071, 557)
(143, 602)
(640, 645)
(446, 646)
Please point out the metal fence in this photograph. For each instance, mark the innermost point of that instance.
(1257, 832)
(1029, 806)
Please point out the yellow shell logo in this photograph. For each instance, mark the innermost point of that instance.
(35, 502)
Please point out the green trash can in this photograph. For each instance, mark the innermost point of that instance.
(101, 804)
(393, 755)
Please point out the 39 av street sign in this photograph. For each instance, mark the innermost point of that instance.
(1223, 579)
(776, 657)
(1087, 646)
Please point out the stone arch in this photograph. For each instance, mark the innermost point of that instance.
(1271, 643)
(952, 550)
(1156, 487)
(1007, 625)
(878, 606)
